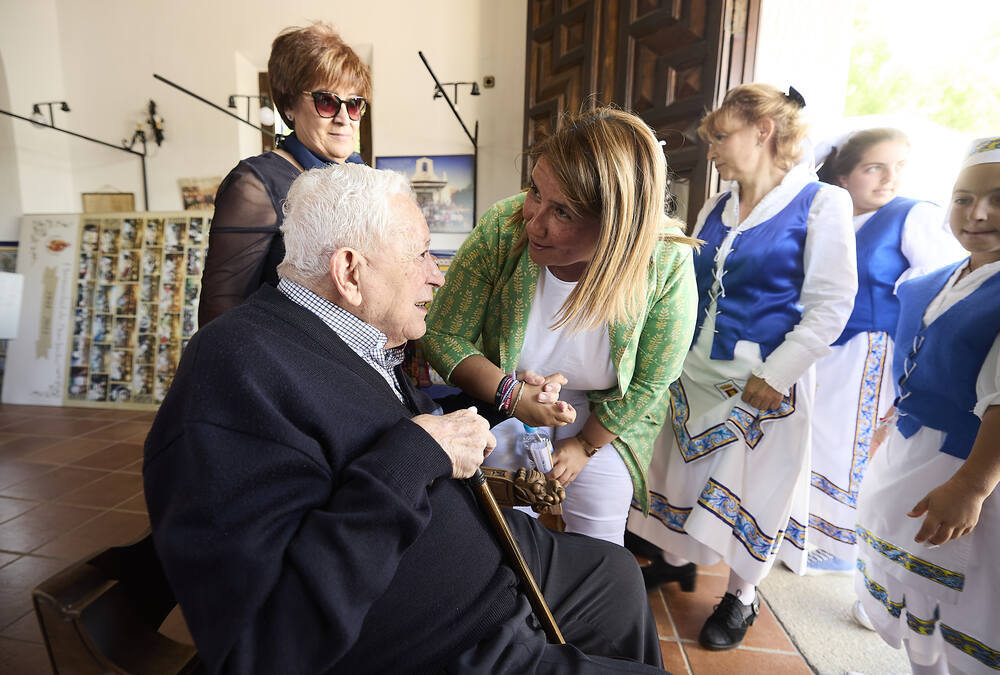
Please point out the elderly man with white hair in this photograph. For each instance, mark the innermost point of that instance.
(305, 502)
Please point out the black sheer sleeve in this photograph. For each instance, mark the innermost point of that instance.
(243, 231)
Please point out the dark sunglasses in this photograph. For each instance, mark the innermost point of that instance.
(328, 104)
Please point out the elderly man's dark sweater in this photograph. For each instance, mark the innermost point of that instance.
(304, 522)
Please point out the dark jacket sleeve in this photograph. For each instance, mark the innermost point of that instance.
(303, 552)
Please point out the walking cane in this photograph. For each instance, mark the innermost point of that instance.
(489, 505)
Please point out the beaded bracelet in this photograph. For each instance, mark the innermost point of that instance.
(504, 391)
(516, 400)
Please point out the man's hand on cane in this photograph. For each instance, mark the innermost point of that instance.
(464, 436)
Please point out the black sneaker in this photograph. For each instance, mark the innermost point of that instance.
(728, 624)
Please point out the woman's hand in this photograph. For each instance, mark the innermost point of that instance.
(882, 431)
(539, 404)
(536, 414)
(551, 384)
(568, 460)
(952, 511)
(760, 394)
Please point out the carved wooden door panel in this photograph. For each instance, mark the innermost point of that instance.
(666, 60)
(566, 39)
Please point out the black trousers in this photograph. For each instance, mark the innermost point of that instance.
(596, 594)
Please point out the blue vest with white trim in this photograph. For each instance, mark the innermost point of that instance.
(936, 367)
(762, 277)
(880, 264)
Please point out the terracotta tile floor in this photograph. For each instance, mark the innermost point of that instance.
(679, 617)
(71, 484)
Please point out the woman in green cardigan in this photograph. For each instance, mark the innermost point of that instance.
(585, 278)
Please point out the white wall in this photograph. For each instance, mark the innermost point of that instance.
(10, 178)
(100, 56)
(30, 50)
(807, 43)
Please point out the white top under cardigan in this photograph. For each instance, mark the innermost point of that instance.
(583, 357)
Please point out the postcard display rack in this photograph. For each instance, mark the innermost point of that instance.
(132, 306)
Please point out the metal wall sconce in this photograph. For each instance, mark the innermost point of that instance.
(155, 123)
(438, 91)
(232, 100)
(266, 112)
(38, 117)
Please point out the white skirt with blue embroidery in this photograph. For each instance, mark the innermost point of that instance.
(853, 390)
(727, 481)
(943, 601)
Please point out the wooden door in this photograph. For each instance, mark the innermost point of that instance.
(669, 61)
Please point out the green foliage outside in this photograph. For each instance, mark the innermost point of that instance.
(954, 82)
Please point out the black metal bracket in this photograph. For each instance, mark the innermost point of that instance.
(141, 155)
(473, 137)
(219, 108)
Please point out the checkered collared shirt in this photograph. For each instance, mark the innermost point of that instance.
(364, 339)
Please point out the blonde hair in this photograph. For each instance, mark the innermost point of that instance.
(609, 164)
(315, 56)
(753, 102)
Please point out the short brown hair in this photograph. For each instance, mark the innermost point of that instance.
(754, 102)
(315, 56)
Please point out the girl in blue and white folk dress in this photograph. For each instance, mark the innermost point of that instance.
(897, 238)
(929, 516)
(776, 283)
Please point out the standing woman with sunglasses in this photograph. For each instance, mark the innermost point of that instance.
(320, 87)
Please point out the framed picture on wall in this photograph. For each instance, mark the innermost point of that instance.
(443, 185)
(108, 202)
(199, 193)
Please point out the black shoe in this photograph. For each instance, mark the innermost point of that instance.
(640, 546)
(659, 572)
(728, 624)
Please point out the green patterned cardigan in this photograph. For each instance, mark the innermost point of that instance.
(483, 309)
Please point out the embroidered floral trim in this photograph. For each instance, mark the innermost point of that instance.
(956, 638)
(672, 517)
(971, 646)
(867, 421)
(695, 446)
(910, 562)
(833, 531)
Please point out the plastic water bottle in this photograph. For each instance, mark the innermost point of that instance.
(538, 447)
